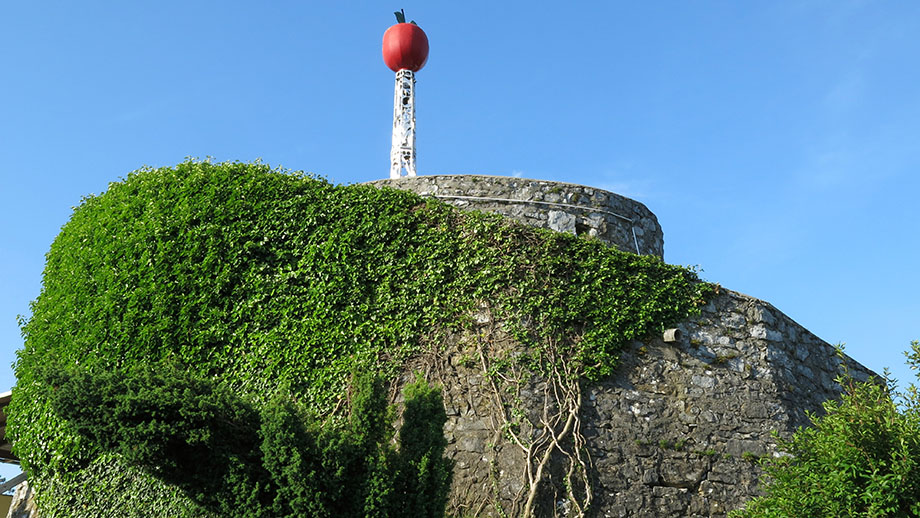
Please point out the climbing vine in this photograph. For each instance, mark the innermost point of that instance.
(272, 281)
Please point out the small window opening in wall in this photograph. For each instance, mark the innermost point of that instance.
(582, 229)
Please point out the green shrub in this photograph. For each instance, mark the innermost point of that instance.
(279, 284)
(860, 459)
(234, 461)
(423, 474)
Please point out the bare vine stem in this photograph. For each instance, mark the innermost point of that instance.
(557, 428)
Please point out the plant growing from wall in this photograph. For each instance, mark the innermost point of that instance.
(279, 284)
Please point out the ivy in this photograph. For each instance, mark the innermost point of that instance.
(279, 283)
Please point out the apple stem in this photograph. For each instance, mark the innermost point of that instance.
(401, 17)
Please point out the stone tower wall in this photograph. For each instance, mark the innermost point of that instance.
(677, 431)
(564, 207)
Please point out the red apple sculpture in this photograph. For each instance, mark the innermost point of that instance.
(405, 45)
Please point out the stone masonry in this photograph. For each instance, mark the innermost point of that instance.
(23, 504)
(564, 207)
(676, 432)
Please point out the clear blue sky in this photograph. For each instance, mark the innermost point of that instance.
(777, 141)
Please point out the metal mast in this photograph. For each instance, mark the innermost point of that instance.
(402, 152)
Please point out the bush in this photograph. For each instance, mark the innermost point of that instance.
(860, 459)
(280, 462)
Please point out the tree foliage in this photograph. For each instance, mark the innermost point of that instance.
(280, 284)
(275, 462)
(860, 459)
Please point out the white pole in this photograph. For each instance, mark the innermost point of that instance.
(402, 152)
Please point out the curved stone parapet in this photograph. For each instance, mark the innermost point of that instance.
(564, 207)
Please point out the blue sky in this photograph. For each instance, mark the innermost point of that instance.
(776, 141)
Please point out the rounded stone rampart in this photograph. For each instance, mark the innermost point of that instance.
(564, 207)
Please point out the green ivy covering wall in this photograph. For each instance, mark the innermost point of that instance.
(277, 282)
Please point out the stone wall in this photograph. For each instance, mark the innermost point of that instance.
(675, 432)
(678, 430)
(564, 207)
(23, 505)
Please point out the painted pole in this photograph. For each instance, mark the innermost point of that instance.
(405, 51)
